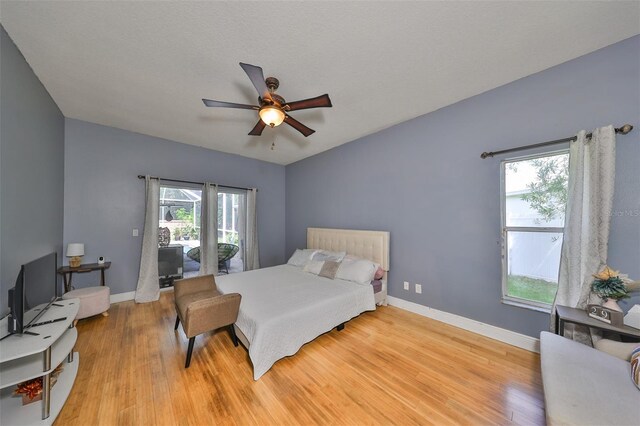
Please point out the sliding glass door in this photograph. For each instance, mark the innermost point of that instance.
(180, 222)
(231, 227)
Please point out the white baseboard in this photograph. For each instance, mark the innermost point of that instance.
(122, 297)
(130, 295)
(506, 336)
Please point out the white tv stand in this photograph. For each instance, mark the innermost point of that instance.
(24, 357)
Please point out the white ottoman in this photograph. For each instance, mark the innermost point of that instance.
(93, 301)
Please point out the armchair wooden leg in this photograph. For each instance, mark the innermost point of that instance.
(177, 322)
(234, 338)
(340, 327)
(190, 351)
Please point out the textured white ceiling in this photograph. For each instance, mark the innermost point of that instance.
(144, 66)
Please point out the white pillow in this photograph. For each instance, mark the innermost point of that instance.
(620, 350)
(301, 257)
(334, 256)
(360, 271)
(352, 258)
(355, 259)
(313, 266)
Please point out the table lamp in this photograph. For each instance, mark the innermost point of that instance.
(75, 251)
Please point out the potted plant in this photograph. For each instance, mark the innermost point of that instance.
(177, 233)
(611, 286)
(186, 232)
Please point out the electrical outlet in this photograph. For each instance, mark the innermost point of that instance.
(419, 288)
(135, 232)
(406, 285)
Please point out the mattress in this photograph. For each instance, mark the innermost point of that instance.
(283, 308)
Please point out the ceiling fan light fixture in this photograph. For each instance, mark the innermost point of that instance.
(271, 115)
(273, 109)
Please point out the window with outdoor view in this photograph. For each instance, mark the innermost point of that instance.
(534, 197)
(228, 226)
(180, 214)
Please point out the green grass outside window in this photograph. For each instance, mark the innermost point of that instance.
(531, 288)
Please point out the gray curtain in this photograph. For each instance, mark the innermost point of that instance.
(588, 215)
(251, 256)
(209, 230)
(148, 289)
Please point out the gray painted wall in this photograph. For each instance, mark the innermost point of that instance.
(424, 181)
(31, 168)
(104, 199)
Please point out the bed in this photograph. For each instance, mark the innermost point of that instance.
(284, 307)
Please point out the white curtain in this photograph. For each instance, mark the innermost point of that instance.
(148, 288)
(209, 230)
(587, 219)
(251, 253)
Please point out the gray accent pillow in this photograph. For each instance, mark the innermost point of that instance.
(329, 269)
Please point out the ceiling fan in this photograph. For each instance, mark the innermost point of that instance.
(273, 109)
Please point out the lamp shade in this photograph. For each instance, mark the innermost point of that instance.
(75, 249)
(272, 116)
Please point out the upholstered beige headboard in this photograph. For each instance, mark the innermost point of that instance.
(372, 245)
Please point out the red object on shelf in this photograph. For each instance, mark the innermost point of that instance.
(31, 390)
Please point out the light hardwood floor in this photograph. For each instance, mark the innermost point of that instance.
(386, 367)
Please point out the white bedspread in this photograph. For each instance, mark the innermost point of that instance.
(283, 308)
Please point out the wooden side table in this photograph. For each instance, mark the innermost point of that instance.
(67, 272)
(565, 314)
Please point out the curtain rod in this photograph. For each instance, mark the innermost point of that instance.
(622, 130)
(194, 183)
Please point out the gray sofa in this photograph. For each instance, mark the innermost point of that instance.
(585, 386)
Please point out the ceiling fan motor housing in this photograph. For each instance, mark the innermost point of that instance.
(272, 83)
(277, 99)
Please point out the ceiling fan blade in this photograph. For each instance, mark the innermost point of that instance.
(256, 76)
(298, 125)
(321, 101)
(258, 128)
(210, 103)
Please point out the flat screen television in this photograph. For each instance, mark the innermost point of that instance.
(35, 290)
(170, 264)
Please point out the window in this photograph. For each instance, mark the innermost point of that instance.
(534, 197)
(228, 220)
(180, 211)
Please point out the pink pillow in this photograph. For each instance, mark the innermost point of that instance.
(379, 273)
